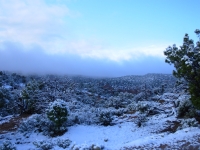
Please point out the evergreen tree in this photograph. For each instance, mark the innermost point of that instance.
(30, 98)
(186, 60)
(4, 97)
(58, 113)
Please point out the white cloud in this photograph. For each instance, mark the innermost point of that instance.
(33, 22)
(116, 54)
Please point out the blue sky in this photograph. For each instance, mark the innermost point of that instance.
(93, 37)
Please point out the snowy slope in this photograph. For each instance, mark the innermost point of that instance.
(124, 135)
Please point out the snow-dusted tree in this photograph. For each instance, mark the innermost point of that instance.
(186, 60)
(29, 101)
(4, 97)
(57, 113)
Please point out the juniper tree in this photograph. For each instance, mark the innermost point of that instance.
(31, 98)
(186, 61)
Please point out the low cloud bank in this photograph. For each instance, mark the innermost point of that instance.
(14, 57)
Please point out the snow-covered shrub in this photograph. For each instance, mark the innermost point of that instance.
(4, 97)
(105, 118)
(190, 122)
(132, 106)
(36, 123)
(7, 145)
(115, 102)
(64, 143)
(120, 101)
(30, 98)
(83, 115)
(43, 144)
(185, 108)
(143, 107)
(125, 95)
(57, 113)
(169, 96)
(141, 119)
(140, 96)
(87, 147)
(118, 112)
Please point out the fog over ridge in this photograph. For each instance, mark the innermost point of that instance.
(14, 57)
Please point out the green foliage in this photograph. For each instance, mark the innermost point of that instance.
(4, 97)
(105, 118)
(186, 109)
(57, 113)
(186, 61)
(30, 97)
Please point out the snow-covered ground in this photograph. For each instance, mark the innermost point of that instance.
(5, 119)
(141, 124)
(125, 134)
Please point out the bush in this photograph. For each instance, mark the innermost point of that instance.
(143, 107)
(57, 113)
(190, 122)
(185, 109)
(87, 147)
(44, 145)
(105, 118)
(141, 119)
(7, 145)
(64, 143)
(36, 123)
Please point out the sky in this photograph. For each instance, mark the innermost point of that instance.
(93, 37)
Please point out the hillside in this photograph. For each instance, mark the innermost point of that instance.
(130, 112)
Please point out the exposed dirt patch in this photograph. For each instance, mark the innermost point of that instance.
(173, 125)
(161, 101)
(163, 146)
(130, 112)
(197, 118)
(13, 124)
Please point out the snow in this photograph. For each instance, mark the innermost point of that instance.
(5, 119)
(7, 86)
(123, 134)
(185, 134)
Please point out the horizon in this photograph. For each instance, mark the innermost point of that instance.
(92, 38)
(79, 75)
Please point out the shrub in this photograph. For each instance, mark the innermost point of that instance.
(36, 123)
(190, 122)
(87, 147)
(7, 145)
(105, 118)
(57, 113)
(141, 119)
(44, 145)
(185, 109)
(143, 107)
(64, 143)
